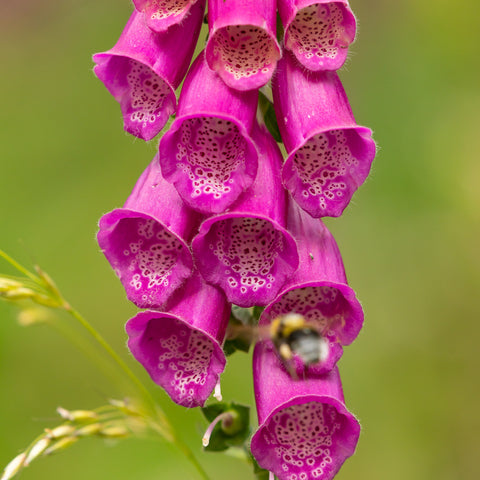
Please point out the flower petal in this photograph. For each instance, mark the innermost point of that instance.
(305, 431)
(146, 241)
(207, 153)
(181, 348)
(144, 68)
(318, 32)
(329, 154)
(246, 251)
(242, 46)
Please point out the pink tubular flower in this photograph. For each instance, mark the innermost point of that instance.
(318, 290)
(329, 154)
(246, 251)
(242, 47)
(208, 153)
(305, 431)
(162, 14)
(181, 348)
(318, 32)
(144, 68)
(145, 241)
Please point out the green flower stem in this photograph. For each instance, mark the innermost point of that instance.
(191, 458)
(19, 267)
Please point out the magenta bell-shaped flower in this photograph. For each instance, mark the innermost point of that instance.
(305, 431)
(242, 46)
(318, 291)
(318, 32)
(144, 68)
(329, 154)
(181, 347)
(247, 251)
(207, 153)
(162, 14)
(146, 240)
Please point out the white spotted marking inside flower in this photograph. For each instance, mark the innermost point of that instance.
(209, 152)
(322, 164)
(317, 31)
(249, 247)
(244, 51)
(148, 93)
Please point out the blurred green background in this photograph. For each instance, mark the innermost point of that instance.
(410, 241)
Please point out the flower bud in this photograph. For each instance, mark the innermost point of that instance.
(62, 444)
(37, 450)
(14, 466)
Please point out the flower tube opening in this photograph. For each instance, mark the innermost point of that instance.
(249, 257)
(150, 260)
(324, 173)
(242, 47)
(146, 99)
(161, 14)
(318, 32)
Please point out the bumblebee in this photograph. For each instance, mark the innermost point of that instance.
(291, 335)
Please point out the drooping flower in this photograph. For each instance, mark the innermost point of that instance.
(207, 153)
(146, 240)
(318, 290)
(246, 251)
(305, 431)
(144, 68)
(318, 32)
(181, 347)
(162, 14)
(329, 154)
(242, 46)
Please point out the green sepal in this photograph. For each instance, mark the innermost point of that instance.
(241, 319)
(268, 112)
(240, 430)
(259, 472)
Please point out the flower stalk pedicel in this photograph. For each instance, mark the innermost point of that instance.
(305, 431)
(242, 47)
(329, 155)
(247, 251)
(144, 68)
(318, 32)
(181, 347)
(207, 153)
(318, 290)
(146, 240)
